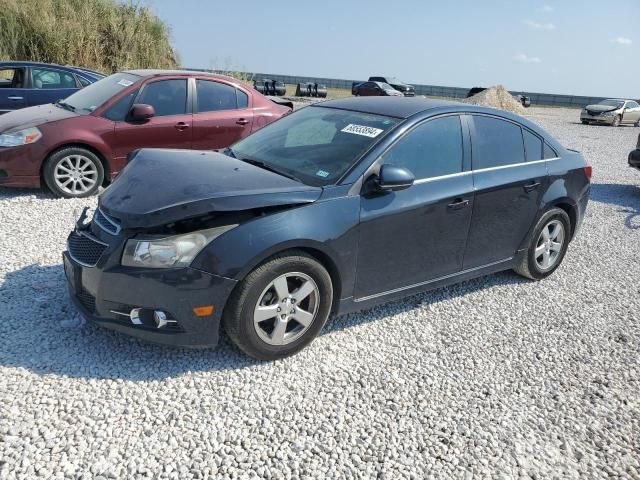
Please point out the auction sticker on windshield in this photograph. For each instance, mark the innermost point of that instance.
(362, 130)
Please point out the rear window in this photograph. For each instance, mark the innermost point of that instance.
(496, 143)
(317, 145)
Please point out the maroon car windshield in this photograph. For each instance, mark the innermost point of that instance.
(89, 98)
(314, 145)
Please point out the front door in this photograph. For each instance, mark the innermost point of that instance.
(509, 184)
(12, 91)
(222, 115)
(631, 112)
(415, 235)
(171, 127)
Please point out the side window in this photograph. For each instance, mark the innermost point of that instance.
(167, 97)
(43, 78)
(432, 149)
(632, 105)
(549, 152)
(215, 96)
(532, 146)
(12, 78)
(119, 110)
(243, 99)
(83, 81)
(496, 143)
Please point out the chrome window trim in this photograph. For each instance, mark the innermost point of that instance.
(442, 177)
(102, 227)
(433, 280)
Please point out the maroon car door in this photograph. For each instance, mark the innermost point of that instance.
(222, 114)
(171, 127)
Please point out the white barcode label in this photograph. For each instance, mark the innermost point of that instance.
(362, 130)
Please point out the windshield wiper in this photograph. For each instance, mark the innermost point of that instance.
(271, 168)
(66, 106)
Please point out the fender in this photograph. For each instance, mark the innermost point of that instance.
(324, 226)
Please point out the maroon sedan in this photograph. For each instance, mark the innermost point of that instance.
(78, 144)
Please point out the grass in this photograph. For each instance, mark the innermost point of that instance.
(106, 35)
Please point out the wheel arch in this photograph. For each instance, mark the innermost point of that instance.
(96, 151)
(313, 249)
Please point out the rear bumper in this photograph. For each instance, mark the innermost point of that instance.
(582, 208)
(106, 297)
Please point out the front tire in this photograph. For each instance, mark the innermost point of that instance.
(280, 307)
(616, 121)
(73, 172)
(585, 122)
(547, 246)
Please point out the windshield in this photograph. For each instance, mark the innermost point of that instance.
(315, 145)
(91, 97)
(611, 103)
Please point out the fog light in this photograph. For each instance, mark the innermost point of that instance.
(161, 319)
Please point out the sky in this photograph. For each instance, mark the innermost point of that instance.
(587, 47)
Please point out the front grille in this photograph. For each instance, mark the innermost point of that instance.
(87, 300)
(593, 114)
(84, 249)
(106, 222)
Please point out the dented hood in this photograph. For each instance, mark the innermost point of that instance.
(163, 186)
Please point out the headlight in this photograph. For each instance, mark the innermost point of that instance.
(23, 137)
(169, 252)
(608, 114)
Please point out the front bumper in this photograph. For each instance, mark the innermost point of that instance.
(20, 166)
(596, 118)
(105, 294)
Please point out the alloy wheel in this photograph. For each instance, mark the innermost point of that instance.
(549, 245)
(286, 308)
(75, 174)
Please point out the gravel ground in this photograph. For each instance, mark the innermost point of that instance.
(493, 378)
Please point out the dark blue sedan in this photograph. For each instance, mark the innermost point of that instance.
(26, 84)
(337, 207)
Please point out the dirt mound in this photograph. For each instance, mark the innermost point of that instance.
(497, 97)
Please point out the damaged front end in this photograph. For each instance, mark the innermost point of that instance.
(130, 268)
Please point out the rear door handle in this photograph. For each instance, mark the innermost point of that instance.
(458, 203)
(15, 98)
(242, 121)
(530, 187)
(181, 126)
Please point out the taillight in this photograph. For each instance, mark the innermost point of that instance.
(588, 171)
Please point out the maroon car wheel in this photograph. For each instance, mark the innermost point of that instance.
(73, 173)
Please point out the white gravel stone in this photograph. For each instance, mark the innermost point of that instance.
(497, 377)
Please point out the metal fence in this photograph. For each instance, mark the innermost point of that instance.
(549, 99)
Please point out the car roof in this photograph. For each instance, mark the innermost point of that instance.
(158, 73)
(398, 107)
(68, 68)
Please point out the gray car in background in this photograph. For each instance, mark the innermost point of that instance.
(613, 111)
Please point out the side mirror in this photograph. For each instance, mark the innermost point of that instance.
(141, 112)
(392, 178)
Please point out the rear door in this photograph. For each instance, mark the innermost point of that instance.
(48, 85)
(171, 127)
(12, 91)
(508, 182)
(222, 114)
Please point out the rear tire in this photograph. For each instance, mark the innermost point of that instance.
(637, 124)
(268, 316)
(547, 246)
(73, 172)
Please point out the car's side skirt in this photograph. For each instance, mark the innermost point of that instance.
(348, 305)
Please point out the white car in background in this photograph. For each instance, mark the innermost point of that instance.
(613, 111)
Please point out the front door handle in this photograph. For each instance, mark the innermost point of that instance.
(530, 187)
(15, 98)
(242, 121)
(181, 126)
(458, 203)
